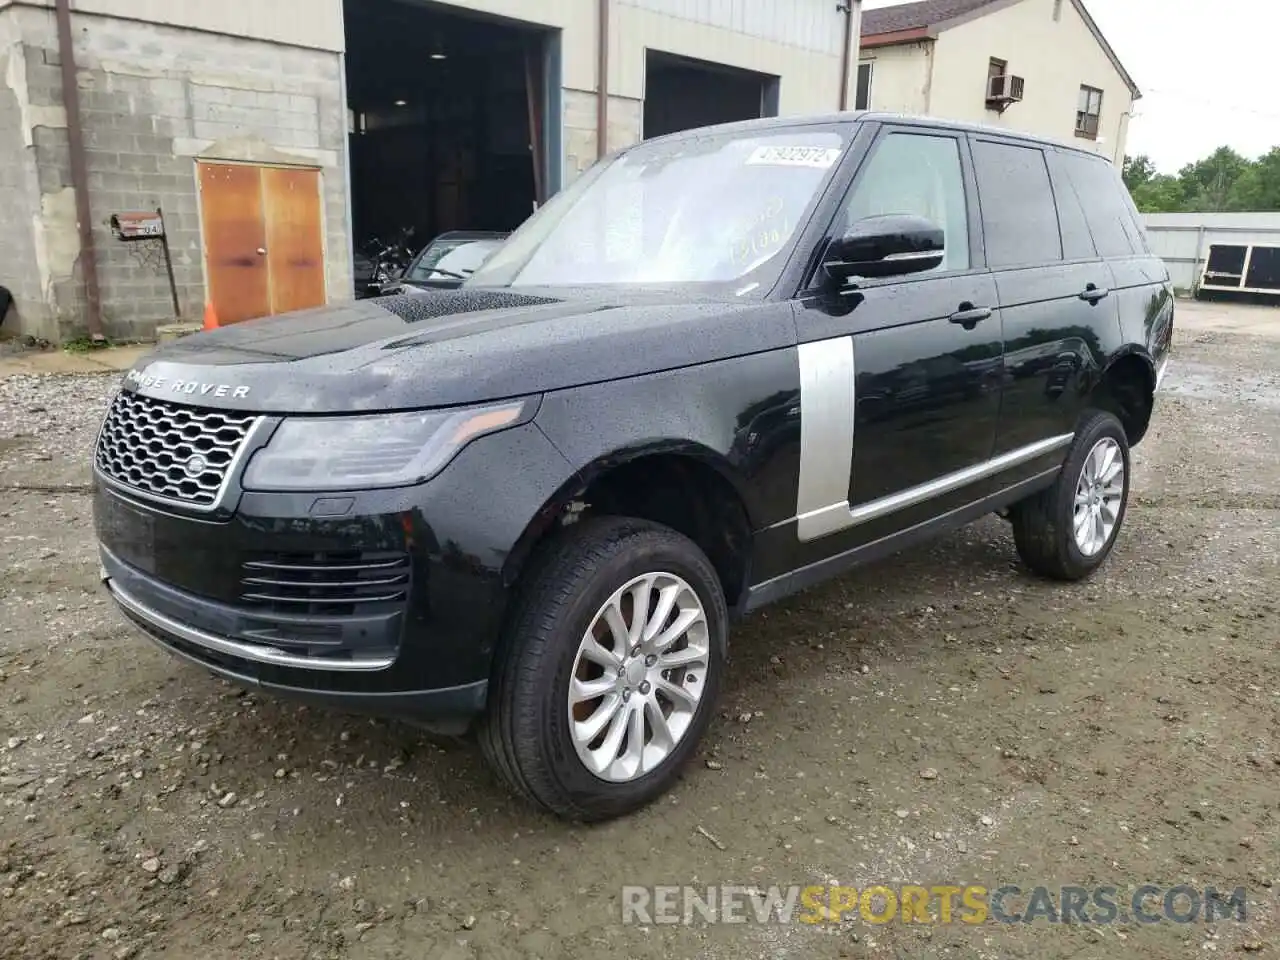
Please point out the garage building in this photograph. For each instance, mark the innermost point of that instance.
(158, 156)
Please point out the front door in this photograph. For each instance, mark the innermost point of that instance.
(913, 361)
(263, 239)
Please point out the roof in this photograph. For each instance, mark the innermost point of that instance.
(800, 121)
(917, 16)
(924, 19)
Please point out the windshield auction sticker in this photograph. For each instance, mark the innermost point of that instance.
(778, 156)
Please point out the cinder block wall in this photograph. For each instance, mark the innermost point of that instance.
(626, 126)
(19, 195)
(154, 99)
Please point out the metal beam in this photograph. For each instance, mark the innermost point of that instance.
(79, 168)
(602, 80)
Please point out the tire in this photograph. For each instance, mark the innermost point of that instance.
(525, 734)
(1044, 524)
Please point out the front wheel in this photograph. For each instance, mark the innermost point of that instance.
(609, 670)
(1067, 531)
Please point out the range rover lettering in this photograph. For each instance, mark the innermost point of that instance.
(718, 368)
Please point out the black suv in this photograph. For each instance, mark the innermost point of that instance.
(718, 368)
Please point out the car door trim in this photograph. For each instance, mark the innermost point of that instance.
(785, 584)
(814, 520)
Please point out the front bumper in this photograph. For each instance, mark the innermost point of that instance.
(220, 630)
(249, 594)
(236, 662)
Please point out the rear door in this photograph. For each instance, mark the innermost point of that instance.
(1055, 296)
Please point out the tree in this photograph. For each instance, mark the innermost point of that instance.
(1161, 194)
(1259, 186)
(1209, 181)
(1224, 180)
(1137, 171)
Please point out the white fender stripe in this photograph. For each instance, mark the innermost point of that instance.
(828, 407)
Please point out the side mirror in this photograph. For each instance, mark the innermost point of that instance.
(888, 246)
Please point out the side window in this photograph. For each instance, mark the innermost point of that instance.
(1105, 206)
(916, 174)
(1019, 218)
(1135, 226)
(1077, 241)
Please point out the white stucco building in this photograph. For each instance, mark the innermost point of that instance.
(1040, 66)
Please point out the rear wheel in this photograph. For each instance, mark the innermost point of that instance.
(610, 669)
(1067, 531)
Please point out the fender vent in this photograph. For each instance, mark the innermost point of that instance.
(326, 584)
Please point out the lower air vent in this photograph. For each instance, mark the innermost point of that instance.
(326, 584)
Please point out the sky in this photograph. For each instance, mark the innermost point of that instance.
(1209, 73)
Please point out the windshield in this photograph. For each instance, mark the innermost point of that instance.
(447, 259)
(718, 209)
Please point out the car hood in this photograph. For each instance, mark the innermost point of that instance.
(448, 347)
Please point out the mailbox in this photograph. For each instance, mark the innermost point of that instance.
(137, 226)
(147, 225)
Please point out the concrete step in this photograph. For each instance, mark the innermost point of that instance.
(172, 331)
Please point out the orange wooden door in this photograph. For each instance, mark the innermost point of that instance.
(235, 240)
(295, 249)
(263, 239)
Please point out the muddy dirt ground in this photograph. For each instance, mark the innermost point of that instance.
(941, 718)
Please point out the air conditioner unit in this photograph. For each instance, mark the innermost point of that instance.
(1004, 90)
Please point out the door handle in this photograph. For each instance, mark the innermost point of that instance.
(970, 316)
(1092, 293)
(262, 251)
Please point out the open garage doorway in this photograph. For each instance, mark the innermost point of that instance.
(681, 93)
(449, 119)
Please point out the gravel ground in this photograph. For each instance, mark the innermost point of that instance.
(940, 718)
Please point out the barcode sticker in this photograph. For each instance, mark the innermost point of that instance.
(818, 157)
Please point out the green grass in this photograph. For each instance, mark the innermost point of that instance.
(86, 345)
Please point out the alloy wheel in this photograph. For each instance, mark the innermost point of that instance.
(1099, 497)
(638, 677)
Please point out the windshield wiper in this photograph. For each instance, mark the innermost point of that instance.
(450, 273)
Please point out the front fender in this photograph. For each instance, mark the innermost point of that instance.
(740, 416)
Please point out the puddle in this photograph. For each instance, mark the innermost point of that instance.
(1207, 383)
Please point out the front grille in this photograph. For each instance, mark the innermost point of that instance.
(327, 584)
(170, 451)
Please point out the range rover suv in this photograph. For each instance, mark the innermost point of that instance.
(717, 369)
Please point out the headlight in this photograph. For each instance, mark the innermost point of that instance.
(383, 450)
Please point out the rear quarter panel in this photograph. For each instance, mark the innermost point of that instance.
(1146, 302)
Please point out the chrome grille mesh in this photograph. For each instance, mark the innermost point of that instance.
(168, 450)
